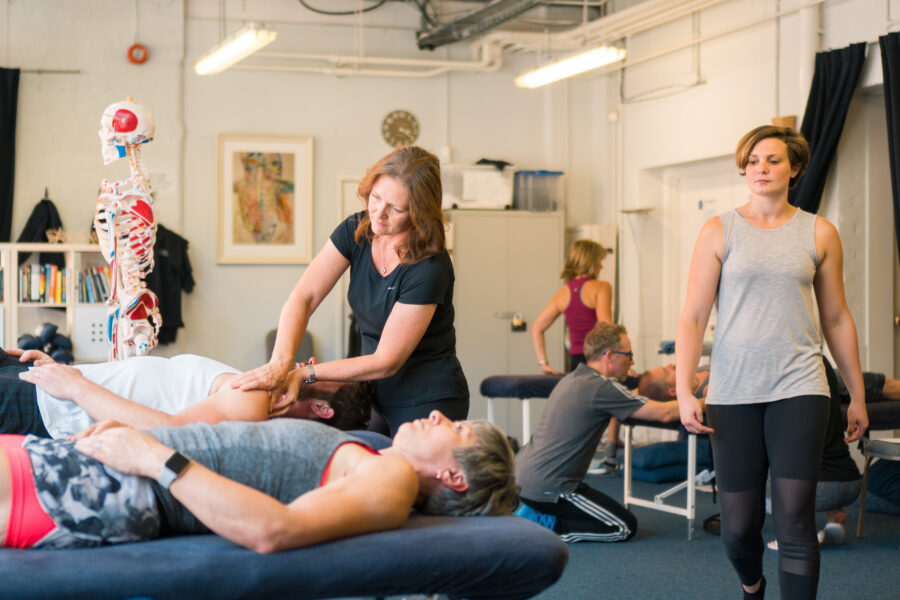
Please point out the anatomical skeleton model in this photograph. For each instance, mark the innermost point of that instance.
(126, 230)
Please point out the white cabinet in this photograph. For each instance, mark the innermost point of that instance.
(506, 262)
(22, 312)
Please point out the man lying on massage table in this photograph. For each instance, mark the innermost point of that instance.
(270, 486)
(147, 391)
(659, 383)
(550, 468)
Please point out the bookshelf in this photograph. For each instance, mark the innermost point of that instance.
(35, 293)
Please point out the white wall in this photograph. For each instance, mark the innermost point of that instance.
(745, 78)
(474, 115)
(613, 134)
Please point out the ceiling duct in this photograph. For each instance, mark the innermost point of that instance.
(473, 23)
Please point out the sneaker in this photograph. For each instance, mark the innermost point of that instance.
(611, 465)
(820, 535)
(712, 525)
(832, 534)
(542, 519)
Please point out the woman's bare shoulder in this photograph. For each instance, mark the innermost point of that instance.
(599, 285)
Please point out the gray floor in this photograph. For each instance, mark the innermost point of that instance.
(661, 563)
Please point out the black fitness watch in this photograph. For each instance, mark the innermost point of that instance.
(173, 469)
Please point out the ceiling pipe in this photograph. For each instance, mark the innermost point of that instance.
(491, 59)
(490, 48)
(473, 23)
(614, 26)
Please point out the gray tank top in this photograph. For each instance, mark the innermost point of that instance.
(283, 458)
(767, 344)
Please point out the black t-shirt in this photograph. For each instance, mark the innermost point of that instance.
(432, 372)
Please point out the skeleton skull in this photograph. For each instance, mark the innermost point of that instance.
(124, 124)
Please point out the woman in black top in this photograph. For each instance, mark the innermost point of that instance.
(401, 291)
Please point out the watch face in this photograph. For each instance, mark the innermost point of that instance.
(400, 128)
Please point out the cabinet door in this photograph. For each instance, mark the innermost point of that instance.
(534, 261)
(480, 295)
(505, 263)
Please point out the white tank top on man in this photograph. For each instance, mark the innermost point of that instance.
(166, 384)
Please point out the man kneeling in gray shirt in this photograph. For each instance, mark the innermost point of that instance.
(551, 467)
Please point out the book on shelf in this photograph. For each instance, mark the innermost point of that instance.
(98, 285)
(50, 291)
(89, 292)
(35, 274)
(105, 280)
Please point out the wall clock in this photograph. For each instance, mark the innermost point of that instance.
(400, 128)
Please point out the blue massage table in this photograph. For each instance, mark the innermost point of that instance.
(467, 557)
(525, 387)
(470, 557)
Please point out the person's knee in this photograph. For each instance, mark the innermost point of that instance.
(740, 542)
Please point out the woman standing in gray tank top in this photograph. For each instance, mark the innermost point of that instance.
(767, 404)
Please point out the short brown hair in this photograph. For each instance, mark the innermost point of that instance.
(797, 148)
(655, 389)
(488, 465)
(583, 258)
(420, 173)
(603, 337)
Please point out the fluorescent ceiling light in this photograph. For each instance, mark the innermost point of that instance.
(573, 65)
(242, 43)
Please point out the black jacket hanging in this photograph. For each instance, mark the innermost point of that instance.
(169, 277)
(43, 217)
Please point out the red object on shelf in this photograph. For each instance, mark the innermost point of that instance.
(137, 54)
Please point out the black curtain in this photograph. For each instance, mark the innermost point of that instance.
(835, 78)
(9, 99)
(890, 66)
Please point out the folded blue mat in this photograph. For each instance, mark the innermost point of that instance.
(665, 462)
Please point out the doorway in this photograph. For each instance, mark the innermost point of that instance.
(692, 195)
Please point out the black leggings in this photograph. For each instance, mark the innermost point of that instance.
(585, 515)
(19, 411)
(785, 437)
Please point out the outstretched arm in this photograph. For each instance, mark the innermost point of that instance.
(544, 320)
(664, 412)
(319, 278)
(37, 356)
(703, 282)
(373, 493)
(402, 332)
(68, 383)
(837, 324)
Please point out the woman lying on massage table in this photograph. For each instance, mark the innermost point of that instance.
(267, 486)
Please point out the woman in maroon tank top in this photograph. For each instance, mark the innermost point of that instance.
(583, 300)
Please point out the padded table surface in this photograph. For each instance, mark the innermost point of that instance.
(883, 416)
(519, 386)
(470, 557)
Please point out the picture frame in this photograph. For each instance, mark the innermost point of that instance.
(265, 185)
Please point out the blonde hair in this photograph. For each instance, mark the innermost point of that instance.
(583, 258)
(420, 172)
(797, 148)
